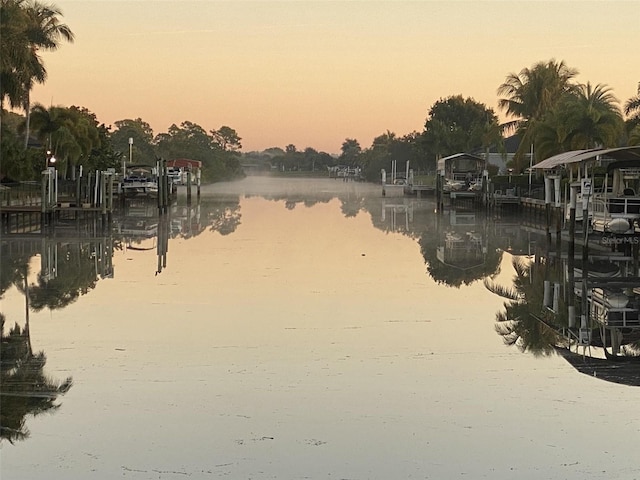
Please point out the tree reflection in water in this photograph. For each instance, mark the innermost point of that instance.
(24, 388)
(75, 276)
(458, 255)
(525, 322)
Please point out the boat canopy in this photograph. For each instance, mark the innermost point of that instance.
(184, 163)
(579, 156)
(460, 162)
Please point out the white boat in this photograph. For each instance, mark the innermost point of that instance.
(140, 181)
(617, 209)
(613, 309)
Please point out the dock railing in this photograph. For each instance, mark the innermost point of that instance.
(21, 193)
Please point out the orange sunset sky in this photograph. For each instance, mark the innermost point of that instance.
(312, 73)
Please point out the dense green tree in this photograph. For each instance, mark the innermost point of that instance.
(15, 163)
(634, 136)
(456, 124)
(410, 148)
(190, 140)
(101, 155)
(227, 139)
(142, 150)
(350, 149)
(378, 156)
(274, 151)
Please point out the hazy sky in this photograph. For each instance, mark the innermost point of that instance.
(312, 73)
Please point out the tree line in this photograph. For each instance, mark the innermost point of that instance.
(544, 104)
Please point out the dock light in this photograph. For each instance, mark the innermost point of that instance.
(50, 158)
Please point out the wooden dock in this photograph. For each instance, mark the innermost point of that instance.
(421, 190)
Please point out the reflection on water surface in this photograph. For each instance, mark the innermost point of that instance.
(299, 329)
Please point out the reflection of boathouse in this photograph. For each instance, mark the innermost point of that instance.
(462, 246)
(139, 219)
(462, 250)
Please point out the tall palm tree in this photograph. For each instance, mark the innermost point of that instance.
(43, 32)
(523, 322)
(45, 122)
(13, 52)
(593, 117)
(530, 94)
(67, 132)
(588, 117)
(26, 390)
(632, 106)
(632, 110)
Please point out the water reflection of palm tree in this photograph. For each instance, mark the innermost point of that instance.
(524, 322)
(24, 388)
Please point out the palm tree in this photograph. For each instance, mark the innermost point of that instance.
(44, 31)
(13, 52)
(529, 95)
(523, 322)
(594, 117)
(588, 117)
(632, 110)
(45, 122)
(26, 390)
(632, 106)
(67, 132)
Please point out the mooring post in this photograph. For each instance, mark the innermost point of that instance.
(571, 309)
(167, 186)
(558, 209)
(112, 175)
(189, 186)
(547, 205)
(584, 321)
(103, 199)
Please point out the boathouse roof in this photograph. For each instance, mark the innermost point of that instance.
(184, 163)
(579, 156)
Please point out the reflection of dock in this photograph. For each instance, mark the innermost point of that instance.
(395, 211)
(501, 198)
(51, 249)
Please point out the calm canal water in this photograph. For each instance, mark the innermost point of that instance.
(298, 329)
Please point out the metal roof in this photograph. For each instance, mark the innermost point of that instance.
(577, 156)
(462, 155)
